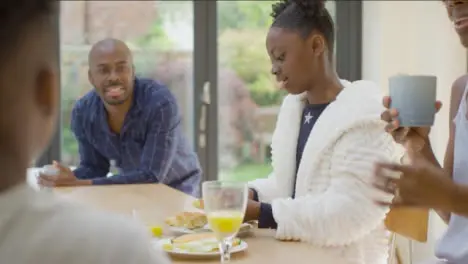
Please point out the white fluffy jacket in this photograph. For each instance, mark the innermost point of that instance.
(334, 205)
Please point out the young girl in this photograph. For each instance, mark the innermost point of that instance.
(327, 138)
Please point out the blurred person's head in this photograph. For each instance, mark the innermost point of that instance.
(29, 89)
(458, 13)
(300, 45)
(111, 71)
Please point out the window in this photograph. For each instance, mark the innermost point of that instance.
(160, 35)
(200, 50)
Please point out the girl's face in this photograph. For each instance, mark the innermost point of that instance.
(296, 62)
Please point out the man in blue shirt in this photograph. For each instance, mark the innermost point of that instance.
(129, 125)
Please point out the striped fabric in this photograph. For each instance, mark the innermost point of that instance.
(150, 148)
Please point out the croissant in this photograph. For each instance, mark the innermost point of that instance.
(189, 220)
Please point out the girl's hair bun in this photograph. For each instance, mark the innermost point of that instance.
(311, 8)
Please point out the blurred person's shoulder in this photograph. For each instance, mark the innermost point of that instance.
(43, 228)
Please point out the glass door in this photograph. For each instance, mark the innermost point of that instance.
(160, 35)
(248, 96)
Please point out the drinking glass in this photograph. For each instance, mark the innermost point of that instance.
(225, 204)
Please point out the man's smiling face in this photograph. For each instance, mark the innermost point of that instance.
(111, 71)
(458, 13)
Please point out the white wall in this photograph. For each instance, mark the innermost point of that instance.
(414, 37)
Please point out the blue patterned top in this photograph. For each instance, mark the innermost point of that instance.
(150, 148)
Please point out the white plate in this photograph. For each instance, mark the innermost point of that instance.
(244, 229)
(241, 247)
(183, 230)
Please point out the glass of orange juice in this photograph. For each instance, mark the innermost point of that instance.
(225, 204)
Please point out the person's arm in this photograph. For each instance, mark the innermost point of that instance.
(260, 211)
(265, 189)
(92, 163)
(459, 200)
(458, 88)
(345, 211)
(159, 148)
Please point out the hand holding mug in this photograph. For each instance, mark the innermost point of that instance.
(410, 110)
(413, 138)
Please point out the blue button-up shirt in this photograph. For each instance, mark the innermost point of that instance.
(150, 148)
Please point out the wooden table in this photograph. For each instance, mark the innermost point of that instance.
(154, 202)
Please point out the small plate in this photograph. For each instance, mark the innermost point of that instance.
(199, 255)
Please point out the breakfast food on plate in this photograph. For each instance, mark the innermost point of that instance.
(198, 203)
(189, 220)
(199, 243)
(193, 237)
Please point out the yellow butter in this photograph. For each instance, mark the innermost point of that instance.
(198, 204)
(156, 231)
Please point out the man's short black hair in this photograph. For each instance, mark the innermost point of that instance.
(17, 17)
(305, 16)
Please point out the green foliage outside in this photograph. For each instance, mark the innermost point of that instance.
(247, 172)
(156, 37)
(71, 88)
(243, 26)
(242, 29)
(242, 15)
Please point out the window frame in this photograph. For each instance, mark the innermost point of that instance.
(349, 39)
